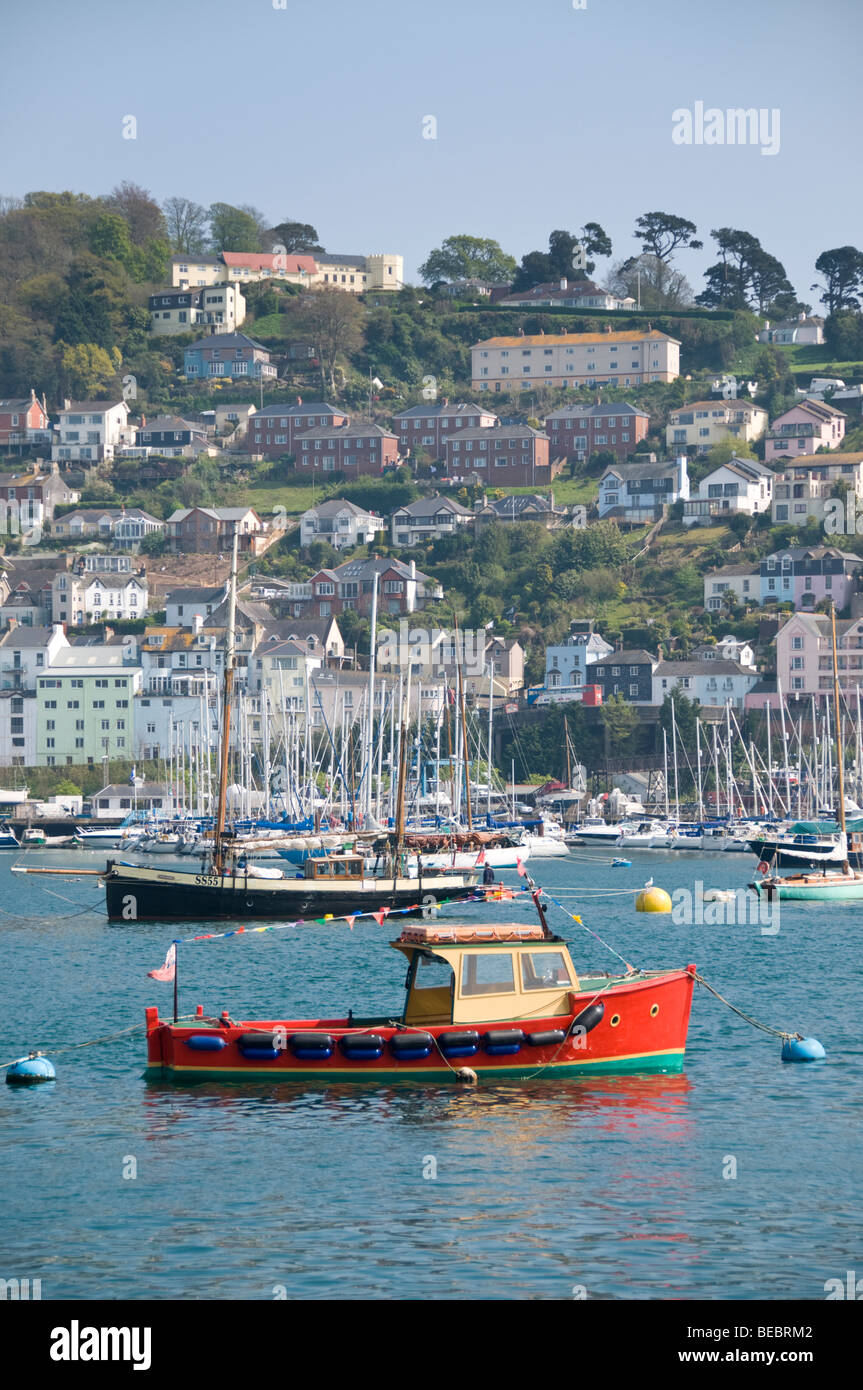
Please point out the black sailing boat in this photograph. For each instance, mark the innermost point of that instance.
(228, 888)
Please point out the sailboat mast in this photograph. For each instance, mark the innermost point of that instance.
(463, 725)
(839, 758)
(227, 689)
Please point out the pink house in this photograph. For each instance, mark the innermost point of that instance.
(804, 664)
(804, 429)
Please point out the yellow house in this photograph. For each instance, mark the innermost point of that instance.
(701, 424)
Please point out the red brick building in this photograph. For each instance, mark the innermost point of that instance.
(503, 456)
(23, 422)
(428, 427)
(579, 431)
(352, 449)
(401, 588)
(272, 430)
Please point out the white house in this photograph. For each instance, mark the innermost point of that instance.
(727, 648)
(93, 597)
(708, 682)
(637, 492)
(27, 651)
(740, 486)
(342, 524)
(428, 519)
(171, 720)
(805, 328)
(18, 724)
(88, 431)
(701, 424)
(743, 581)
(567, 662)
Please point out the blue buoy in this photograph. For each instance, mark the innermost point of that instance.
(621, 863)
(802, 1050)
(28, 1070)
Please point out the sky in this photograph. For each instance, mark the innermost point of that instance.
(547, 116)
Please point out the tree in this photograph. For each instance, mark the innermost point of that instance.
(465, 258)
(296, 237)
(88, 370)
(660, 234)
(558, 263)
(842, 269)
(186, 224)
(139, 210)
(332, 320)
(620, 720)
(745, 276)
(651, 281)
(233, 229)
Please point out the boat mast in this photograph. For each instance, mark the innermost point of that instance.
(463, 725)
(227, 688)
(839, 760)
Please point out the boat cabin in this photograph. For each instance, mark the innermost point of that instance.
(348, 866)
(479, 974)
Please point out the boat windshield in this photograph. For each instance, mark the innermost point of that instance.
(543, 970)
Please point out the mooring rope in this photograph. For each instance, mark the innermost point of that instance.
(765, 1027)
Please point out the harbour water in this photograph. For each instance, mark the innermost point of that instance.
(737, 1179)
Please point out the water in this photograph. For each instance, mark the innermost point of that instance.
(613, 1185)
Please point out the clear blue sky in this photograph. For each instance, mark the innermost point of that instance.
(547, 116)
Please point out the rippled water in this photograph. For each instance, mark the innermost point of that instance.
(611, 1184)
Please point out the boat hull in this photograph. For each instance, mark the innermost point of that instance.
(143, 894)
(643, 1029)
(810, 888)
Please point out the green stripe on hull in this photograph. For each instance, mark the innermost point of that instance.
(669, 1061)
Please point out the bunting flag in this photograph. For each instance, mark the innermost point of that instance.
(379, 916)
(169, 969)
(350, 920)
(521, 869)
(480, 859)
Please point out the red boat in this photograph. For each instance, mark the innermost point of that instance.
(487, 1001)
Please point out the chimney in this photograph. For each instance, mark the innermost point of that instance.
(413, 569)
(67, 404)
(563, 282)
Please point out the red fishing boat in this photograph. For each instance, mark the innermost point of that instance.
(481, 1001)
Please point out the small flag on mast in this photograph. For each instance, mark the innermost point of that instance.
(167, 971)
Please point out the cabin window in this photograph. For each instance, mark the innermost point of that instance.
(432, 972)
(544, 970)
(491, 973)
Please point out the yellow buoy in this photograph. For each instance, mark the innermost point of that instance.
(653, 900)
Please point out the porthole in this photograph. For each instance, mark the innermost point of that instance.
(615, 1019)
(654, 1010)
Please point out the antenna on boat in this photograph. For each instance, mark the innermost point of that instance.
(227, 689)
(535, 892)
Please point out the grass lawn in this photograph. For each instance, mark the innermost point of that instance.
(816, 361)
(295, 500)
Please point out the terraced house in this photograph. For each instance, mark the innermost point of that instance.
(85, 705)
(355, 449)
(425, 429)
(503, 456)
(272, 431)
(579, 431)
(574, 359)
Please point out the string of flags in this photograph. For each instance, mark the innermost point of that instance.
(167, 971)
